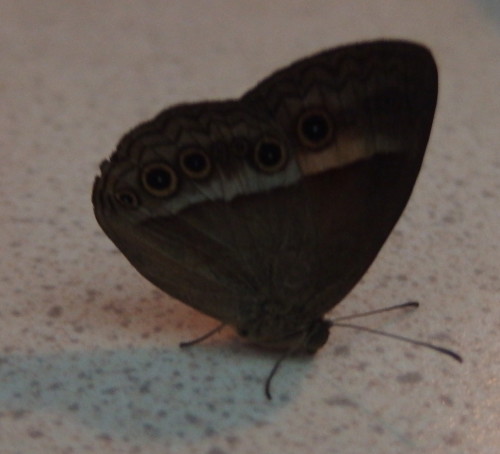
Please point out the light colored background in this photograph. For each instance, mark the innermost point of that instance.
(89, 359)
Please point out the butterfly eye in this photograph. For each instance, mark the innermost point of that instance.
(127, 198)
(195, 163)
(269, 156)
(159, 179)
(315, 129)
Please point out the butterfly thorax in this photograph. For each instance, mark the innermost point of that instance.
(285, 331)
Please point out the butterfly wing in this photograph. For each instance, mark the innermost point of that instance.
(359, 118)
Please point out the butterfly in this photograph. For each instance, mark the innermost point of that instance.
(265, 211)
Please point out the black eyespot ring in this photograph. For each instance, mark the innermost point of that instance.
(315, 129)
(269, 156)
(127, 198)
(159, 179)
(195, 163)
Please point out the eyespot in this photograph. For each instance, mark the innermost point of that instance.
(195, 163)
(127, 198)
(269, 156)
(315, 129)
(159, 179)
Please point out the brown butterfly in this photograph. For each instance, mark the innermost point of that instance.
(264, 212)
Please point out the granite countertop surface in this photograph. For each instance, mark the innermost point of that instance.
(89, 357)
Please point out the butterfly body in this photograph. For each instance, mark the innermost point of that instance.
(264, 212)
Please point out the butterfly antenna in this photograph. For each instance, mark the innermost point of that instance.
(437, 348)
(202, 338)
(410, 305)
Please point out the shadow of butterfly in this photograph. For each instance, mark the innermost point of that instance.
(264, 212)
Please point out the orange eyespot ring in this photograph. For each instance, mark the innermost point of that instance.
(159, 179)
(127, 198)
(195, 163)
(269, 156)
(315, 129)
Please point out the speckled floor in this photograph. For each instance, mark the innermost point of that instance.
(89, 350)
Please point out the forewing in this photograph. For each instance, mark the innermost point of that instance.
(378, 101)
